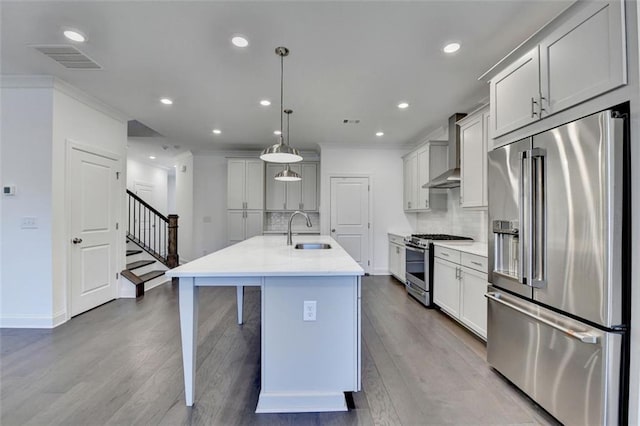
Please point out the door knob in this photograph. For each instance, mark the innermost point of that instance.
(76, 240)
(333, 230)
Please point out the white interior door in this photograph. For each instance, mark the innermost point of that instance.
(350, 216)
(93, 195)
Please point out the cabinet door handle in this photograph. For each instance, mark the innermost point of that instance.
(533, 104)
(542, 98)
(284, 206)
(426, 203)
(409, 203)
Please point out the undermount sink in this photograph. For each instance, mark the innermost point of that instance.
(312, 246)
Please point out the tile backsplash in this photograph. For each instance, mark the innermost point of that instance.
(455, 220)
(278, 221)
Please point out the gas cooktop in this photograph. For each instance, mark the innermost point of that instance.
(423, 240)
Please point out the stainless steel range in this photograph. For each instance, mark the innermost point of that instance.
(419, 264)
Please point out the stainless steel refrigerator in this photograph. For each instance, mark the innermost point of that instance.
(558, 309)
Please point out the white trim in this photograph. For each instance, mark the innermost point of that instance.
(10, 81)
(51, 82)
(369, 178)
(32, 321)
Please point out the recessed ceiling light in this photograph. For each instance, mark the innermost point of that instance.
(151, 157)
(451, 48)
(217, 131)
(277, 132)
(265, 102)
(166, 101)
(379, 133)
(75, 35)
(239, 41)
(403, 105)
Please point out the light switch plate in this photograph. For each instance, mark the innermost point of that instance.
(9, 190)
(29, 222)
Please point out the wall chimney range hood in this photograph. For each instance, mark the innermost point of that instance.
(450, 178)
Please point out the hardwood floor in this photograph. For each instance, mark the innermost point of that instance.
(121, 364)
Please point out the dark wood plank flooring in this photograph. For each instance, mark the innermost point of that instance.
(121, 364)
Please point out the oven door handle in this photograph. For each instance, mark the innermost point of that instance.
(412, 248)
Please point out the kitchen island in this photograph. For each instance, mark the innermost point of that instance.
(310, 318)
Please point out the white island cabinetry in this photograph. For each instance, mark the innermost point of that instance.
(310, 324)
(460, 283)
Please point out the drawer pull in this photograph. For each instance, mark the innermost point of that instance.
(445, 254)
(476, 263)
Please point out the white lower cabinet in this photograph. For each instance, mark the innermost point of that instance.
(459, 286)
(446, 286)
(243, 224)
(397, 257)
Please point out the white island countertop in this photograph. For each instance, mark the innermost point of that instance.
(269, 255)
(473, 247)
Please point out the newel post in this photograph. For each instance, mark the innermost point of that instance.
(172, 254)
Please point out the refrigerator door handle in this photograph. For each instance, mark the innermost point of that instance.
(524, 225)
(579, 335)
(537, 231)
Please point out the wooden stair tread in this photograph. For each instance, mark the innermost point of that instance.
(139, 264)
(151, 275)
(132, 252)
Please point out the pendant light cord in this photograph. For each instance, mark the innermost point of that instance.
(281, 95)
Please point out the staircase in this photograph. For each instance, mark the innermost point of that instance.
(153, 238)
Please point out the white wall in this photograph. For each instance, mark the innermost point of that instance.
(210, 203)
(39, 116)
(156, 177)
(83, 120)
(384, 166)
(26, 270)
(171, 193)
(455, 220)
(184, 206)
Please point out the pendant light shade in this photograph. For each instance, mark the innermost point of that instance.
(281, 152)
(288, 175)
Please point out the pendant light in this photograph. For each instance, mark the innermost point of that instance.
(288, 175)
(281, 152)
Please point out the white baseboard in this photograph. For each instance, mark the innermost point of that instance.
(32, 321)
(380, 271)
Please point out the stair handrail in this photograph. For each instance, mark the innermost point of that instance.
(147, 205)
(169, 255)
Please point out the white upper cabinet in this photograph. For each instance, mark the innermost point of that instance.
(276, 198)
(410, 178)
(245, 184)
(514, 94)
(474, 141)
(581, 58)
(289, 196)
(420, 166)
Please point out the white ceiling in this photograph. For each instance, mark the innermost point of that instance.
(353, 60)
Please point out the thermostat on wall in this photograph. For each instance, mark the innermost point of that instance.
(9, 190)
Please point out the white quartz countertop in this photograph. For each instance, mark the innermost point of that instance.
(269, 255)
(480, 249)
(400, 232)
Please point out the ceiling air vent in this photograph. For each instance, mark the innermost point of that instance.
(347, 121)
(69, 57)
